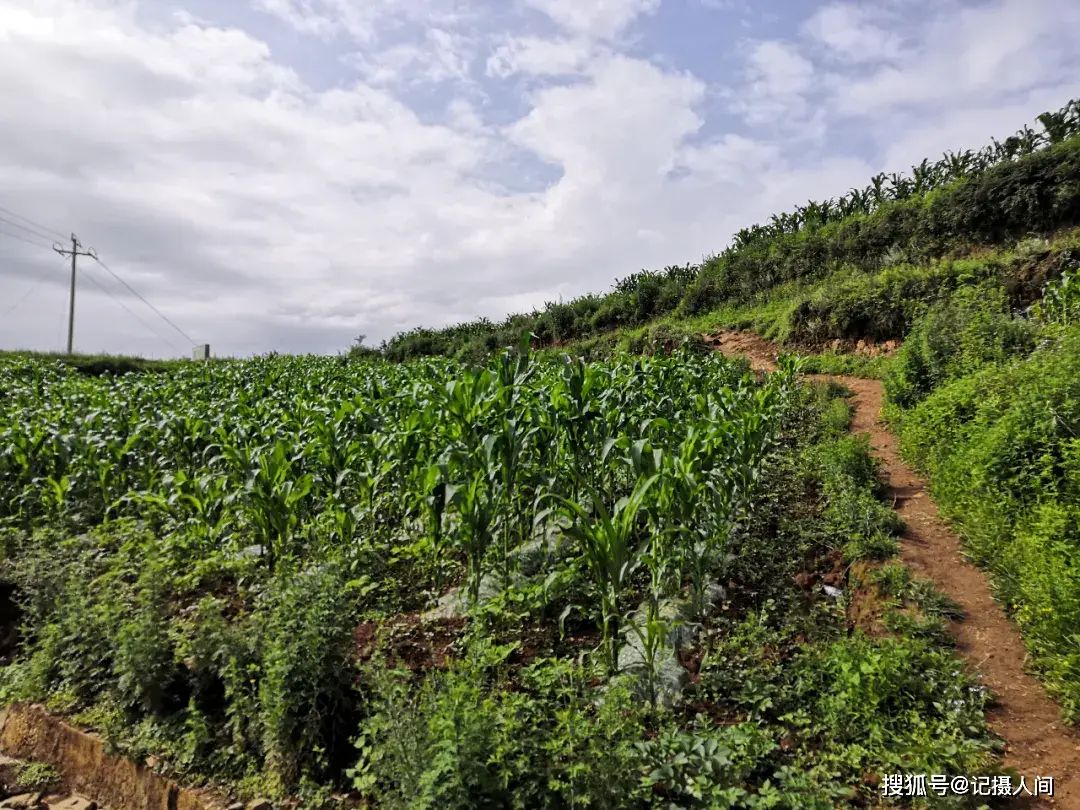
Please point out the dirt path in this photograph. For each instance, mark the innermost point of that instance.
(1037, 742)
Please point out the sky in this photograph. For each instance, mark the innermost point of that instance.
(286, 175)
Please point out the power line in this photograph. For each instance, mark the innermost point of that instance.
(26, 228)
(23, 239)
(29, 292)
(51, 231)
(133, 292)
(153, 331)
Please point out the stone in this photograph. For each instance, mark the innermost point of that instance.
(75, 803)
(259, 804)
(530, 558)
(24, 801)
(236, 806)
(451, 605)
(671, 677)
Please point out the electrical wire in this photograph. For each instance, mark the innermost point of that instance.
(133, 292)
(8, 235)
(26, 228)
(29, 292)
(37, 225)
(132, 314)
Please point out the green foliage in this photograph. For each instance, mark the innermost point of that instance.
(970, 329)
(1060, 303)
(34, 776)
(200, 586)
(195, 550)
(860, 522)
(848, 365)
(100, 365)
(461, 739)
(998, 439)
(901, 703)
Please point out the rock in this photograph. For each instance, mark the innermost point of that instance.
(259, 804)
(835, 593)
(547, 547)
(9, 774)
(715, 594)
(236, 806)
(151, 762)
(75, 803)
(530, 558)
(451, 605)
(24, 801)
(671, 677)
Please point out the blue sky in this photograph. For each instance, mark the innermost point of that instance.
(287, 174)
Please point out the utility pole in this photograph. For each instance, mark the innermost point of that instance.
(74, 253)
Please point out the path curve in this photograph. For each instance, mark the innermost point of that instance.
(1037, 742)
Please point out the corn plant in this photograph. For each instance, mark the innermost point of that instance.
(274, 501)
(478, 510)
(607, 540)
(1060, 303)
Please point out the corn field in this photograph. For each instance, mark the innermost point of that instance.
(431, 584)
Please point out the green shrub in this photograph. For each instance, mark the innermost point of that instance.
(1000, 446)
(970, 329)
(34, 776)
(463, 739)
(859, 521)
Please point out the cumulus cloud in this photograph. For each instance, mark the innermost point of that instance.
(853, 34)
(778, 80)
(988, 51)
(535, 56)
(598, 19)
(392, 163)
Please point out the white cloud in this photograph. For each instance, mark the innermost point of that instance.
(779, 78)
(363, 20)
(595, 19)
(967, 54)
(303, 15)
(534, 56)
(851, 33)
(439, 57)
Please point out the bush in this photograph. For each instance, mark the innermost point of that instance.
(970, 329)
(857, 518)
(464, 739)
(1000, 445)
